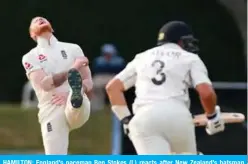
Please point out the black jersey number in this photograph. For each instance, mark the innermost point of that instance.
(160, 75)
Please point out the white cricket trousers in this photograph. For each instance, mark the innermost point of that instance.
(55, 129)
(163, 128)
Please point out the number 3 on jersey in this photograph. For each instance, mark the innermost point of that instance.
(160, 75)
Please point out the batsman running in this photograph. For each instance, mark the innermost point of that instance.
(61, 78)
(162, 122)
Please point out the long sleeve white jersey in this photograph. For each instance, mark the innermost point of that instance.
(163, 73)
(54, 58)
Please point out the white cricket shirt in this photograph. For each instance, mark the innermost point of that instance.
(54, 58)
(162, 73)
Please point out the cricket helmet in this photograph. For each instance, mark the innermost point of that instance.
(179, 33)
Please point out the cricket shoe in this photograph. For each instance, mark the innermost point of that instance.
(75, 82)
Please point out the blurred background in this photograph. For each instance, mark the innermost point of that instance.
(110, 34)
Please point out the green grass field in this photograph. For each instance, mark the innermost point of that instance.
(20, 132)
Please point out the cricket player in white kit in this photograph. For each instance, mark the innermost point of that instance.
(61, 78)
(162, 122)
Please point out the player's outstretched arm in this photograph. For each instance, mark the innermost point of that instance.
(208, 98)
(115, 91)
(115, 88)
(203, 86)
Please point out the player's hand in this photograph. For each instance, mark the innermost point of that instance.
(80, 62)
(215, 124)
(126, 129)
(125, 121)
(59, 98)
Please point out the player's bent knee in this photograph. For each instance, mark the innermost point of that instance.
(78, 117)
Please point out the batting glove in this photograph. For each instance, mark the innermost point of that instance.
(125, 121)
(215, 124)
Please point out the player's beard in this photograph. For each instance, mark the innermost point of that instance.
(42, 29)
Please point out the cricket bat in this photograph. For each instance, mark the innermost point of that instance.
(229, 118)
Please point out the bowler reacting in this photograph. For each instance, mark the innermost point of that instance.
(61, 78)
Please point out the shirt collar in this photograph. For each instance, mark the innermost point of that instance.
(172, 45)
(42, 42)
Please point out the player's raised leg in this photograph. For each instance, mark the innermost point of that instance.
(78, 105)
